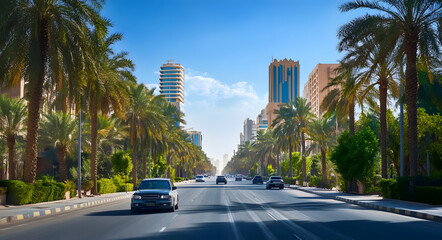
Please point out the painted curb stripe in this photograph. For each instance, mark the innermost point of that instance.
(19, 217)
(36, 214)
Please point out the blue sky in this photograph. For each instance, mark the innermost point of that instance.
(226, 48)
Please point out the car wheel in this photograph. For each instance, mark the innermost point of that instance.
(281, 187)
(225, 183)
(134, 210)
(176, 206)
(216, 182)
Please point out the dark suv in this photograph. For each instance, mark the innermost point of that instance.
(257, 180)
(220, 179)
(155, 193)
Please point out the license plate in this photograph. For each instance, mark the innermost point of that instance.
(150, 204)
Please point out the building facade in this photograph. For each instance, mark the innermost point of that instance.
(172, 83)
(261, 121)
(283, 85)
(317, 80)
(195, 137)
(248, 129)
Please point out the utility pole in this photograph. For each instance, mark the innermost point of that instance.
(402, 130)
(79, 155)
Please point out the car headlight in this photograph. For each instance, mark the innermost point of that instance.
(165, 196)
(136, 196)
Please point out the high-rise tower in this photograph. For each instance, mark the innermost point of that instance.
(172, 83)
(283, 85)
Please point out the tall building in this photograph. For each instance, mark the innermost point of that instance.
(195, 137)
(261, 121)
(317, 80)
(172, 83)
(248, 130)
(283, 85)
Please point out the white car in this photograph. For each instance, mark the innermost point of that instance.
(199, 178)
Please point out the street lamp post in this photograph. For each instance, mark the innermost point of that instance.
(79, 155)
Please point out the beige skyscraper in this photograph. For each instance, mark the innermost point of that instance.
(283, 85)
(317, 80)
(172, 83)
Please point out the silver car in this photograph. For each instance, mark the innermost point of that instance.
(199, 178)
(275, 182)
(155, 193)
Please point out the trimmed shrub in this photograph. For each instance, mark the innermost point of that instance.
(178, 179)
(123, 187)
(86, 185)
(47, 189)
(71, 186)
(431, 195)
(19, 193)
(106, 185)
(291, 181)
(314, 180)
(388, 188)
(41, 193)
(3, 190)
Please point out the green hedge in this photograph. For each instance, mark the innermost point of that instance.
(125, 187)
(19, 193)
(47, 189)
(291, 181)
(178, 179)
(106, 185)
(3, 190)
(388, 188)
(431, 195)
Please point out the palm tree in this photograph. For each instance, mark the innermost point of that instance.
(320, 132)
(110, 76)
(287, 128)
(414, 25)
(12, 121)
(58, 130)
(36, 34)
(381, 69)
(303, 116)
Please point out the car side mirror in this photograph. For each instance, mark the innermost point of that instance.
(135, 188)
(173, 188)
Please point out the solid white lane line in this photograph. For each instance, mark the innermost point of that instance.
(272, 216)
(231, 220)
(269, 235)
(162, 229)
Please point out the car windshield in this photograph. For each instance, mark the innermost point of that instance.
(155, 184)
(199, 176)
(258, 177)
(276, 178)
(220, 176)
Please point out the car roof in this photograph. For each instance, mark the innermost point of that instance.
(165, 179)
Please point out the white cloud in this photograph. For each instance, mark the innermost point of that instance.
(218, 110)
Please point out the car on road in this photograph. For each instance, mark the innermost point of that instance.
(275, 181)
(154, 193)
(199, 178)
(238, 178)
(220, 179)
(257, 180)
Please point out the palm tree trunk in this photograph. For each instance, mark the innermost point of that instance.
(37, 76)
(383, 85)
(144, 153)
(94, 132)
(61, 155)
(134, 154)
(11, 163)
(324, 166)
(351, 117)
(411, 88)
(304, 164)
(290, 160)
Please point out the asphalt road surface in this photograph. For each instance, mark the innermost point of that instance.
(236, 211)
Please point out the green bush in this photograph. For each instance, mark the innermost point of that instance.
(314, 180)
(19, 193)
(123, 187)
(388, 188)
(431, 195)
(291, 181)
(106, 185)
(86, 185)
(41, 193)
(3, 190)
(72, 187)
(178, 179)
(47, 189)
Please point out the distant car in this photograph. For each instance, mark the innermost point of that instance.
(275, 182)
(257, 180)
(220, 179)
(206, 176)
(154, 193)
(199, 178)
(238, 178)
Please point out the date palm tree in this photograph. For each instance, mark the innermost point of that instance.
(12, 123)
(415, 26)
(320, 132)
(58, 129)
(303, 116)
(35, 34)
(287, 129)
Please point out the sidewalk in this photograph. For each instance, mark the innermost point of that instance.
(10, 214)
(418, 210)
(16, 213)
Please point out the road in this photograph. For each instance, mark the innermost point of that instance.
(236, 211)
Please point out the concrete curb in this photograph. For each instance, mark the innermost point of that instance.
(55, 210)
(401, 211)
